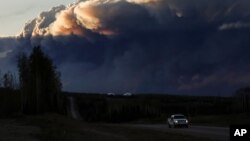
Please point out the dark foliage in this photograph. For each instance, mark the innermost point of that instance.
(242, 100)
(10, 102)
(8, 81)
(39, 83)
(150, 108)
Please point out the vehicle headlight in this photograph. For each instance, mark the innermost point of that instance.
(176, 121)
(186, 121)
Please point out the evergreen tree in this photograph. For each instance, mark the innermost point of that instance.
(39, 82)
(24, 83)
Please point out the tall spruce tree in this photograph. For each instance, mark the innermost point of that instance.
(24, 82)
(39, 82)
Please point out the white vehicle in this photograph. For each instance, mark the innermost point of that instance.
(177, 120)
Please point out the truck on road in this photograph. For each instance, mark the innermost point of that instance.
(177, 120)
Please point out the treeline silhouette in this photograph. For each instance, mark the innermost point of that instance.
(150, 107)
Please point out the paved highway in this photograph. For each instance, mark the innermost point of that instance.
(214, 133)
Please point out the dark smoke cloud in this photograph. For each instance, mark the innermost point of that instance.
(144, 46)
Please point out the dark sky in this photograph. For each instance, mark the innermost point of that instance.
(198, 47)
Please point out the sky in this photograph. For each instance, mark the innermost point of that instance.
(14, 15)
(194, 47)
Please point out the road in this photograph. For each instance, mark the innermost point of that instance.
(73, 111)
(214, 133)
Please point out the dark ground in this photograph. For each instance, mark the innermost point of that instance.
(53, 127)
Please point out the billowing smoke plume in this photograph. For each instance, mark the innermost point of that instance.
(40, 26)
(110, 17)
(175, 46)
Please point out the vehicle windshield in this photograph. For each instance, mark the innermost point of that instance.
(179, 117)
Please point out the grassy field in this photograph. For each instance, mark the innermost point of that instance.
(59, 128)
